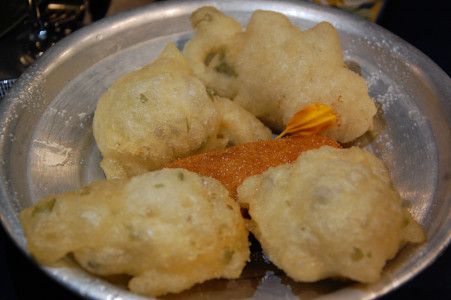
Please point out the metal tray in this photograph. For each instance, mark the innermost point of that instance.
(46, 142)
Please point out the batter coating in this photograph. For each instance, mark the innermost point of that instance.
(152, 116)
(209, 51)
(275, 70)
(331, 213)
(163, 112)
(236, 126)
(168, 229)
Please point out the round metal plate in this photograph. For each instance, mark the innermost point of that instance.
(46, 142)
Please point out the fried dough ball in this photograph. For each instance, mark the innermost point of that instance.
(274, 69)
(152, 116)
(331, 213)
(233, 165)
(209, 50)
(282, 69)
(237, 126)
(168, 229)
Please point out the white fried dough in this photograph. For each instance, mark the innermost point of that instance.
(168, 229)
(237, 126)
(152, 116)
(277, 70)
(332, 213)
(209, 50)
(282, 69)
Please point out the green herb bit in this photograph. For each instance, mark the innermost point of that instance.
(227, 256)
(220, 52)
(209, 57)
(93, 265)
(230, 144)
(85, 191)
(188, 126)
(143, 98)
(181, 176)
(132, 233)
(158, 185)
(44, 207)
(207, 18)
(211, 92)
(226, 69)
(357, 254)
(405, 221)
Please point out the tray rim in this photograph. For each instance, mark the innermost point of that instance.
(86, 35)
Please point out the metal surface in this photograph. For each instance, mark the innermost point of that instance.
(46, 143)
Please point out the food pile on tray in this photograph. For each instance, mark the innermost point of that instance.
(192, 167)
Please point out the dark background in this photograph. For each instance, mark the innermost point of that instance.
(424, 24)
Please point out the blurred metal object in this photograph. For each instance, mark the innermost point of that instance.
(5, 85)
(369, 9)
(50, 21)
(30, 27)
(46, 143)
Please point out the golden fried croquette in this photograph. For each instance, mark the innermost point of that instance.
(279, 70)
(152, 116)
(331, 213)
(168, 229)
(233, 165)
(208, 52)
(236, 126)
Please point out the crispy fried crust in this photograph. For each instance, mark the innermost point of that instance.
(331, 213)
(168, 229)
(152, 116)
(273, 69)
(233, 165)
